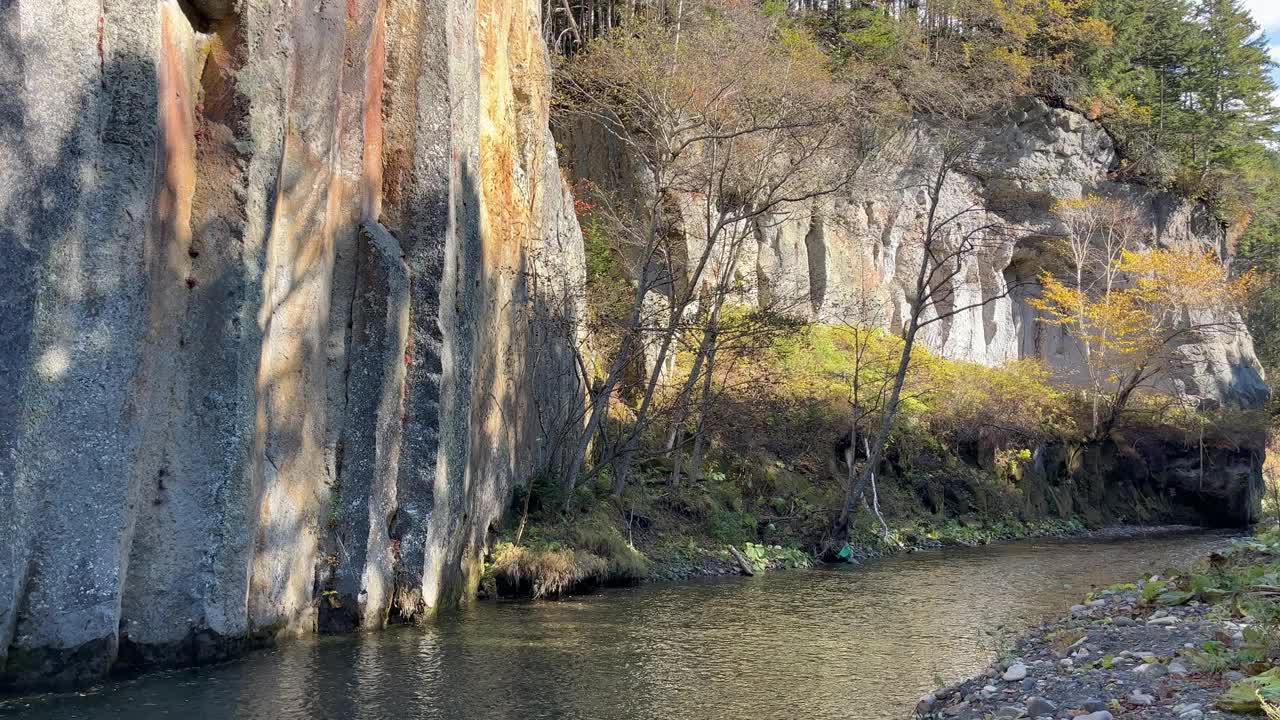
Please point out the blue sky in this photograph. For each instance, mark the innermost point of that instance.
(1267, 13)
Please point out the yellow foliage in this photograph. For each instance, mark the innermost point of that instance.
(1015, 397)
(1129, 328)
(947, 395)
(1169, 279)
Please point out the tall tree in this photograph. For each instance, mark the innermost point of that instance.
(947, 245)
(1137, 328)
(1229, 86)
(733, 117)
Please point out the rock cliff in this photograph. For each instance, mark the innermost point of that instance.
(830, 259)
(816, 259)
(285, 317)
(290, 306)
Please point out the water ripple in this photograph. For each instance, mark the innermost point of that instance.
(855, 645)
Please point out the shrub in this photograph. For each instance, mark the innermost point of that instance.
(625, 563)
(544, 572)
(732, 528)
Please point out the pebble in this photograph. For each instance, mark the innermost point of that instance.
(1153, 670)
(1234, 676)
(1016, 672)
(1050, 679)
(1037, 706)
(1138, 697)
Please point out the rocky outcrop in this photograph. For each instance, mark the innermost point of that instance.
(291, 295)
(1148, 477)
(821, 259)
(289, 306)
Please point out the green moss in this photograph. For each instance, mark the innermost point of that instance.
(624, 562)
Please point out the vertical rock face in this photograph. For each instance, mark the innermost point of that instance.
(820, 259)
(279, 280)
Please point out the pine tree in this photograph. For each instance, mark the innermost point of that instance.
(1229, 86)
(1138, 81)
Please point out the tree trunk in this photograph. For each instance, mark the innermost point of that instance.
(573, 22)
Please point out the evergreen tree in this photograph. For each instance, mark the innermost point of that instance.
(1229, 89)
(1137, 83)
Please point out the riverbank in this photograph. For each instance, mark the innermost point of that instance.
(760, 649)
(1196, 643)
(593, 558)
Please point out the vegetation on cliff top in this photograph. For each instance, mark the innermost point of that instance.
(1184, 85)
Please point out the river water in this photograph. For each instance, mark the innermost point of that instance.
(853, 644)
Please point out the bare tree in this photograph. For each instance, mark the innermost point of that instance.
(870, 379)
(729, 125)
(1099, 232)
(947, 243)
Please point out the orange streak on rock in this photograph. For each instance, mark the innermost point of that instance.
(371, 192)
(177, 142)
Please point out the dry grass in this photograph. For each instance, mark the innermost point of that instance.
(625, 563)
(593, 554)
(549, 572)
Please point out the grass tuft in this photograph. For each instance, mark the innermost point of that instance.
(545, 572)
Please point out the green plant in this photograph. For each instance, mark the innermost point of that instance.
(999, 641)
(764, 556)
(1065, 638)
(1211, 657)
(1152, 590)
(732, 528)
(1250, 694)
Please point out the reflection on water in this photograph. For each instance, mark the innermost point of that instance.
(843, 644)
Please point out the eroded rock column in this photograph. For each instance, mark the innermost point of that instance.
(86, 153)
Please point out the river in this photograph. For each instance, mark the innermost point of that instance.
(854, 644)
